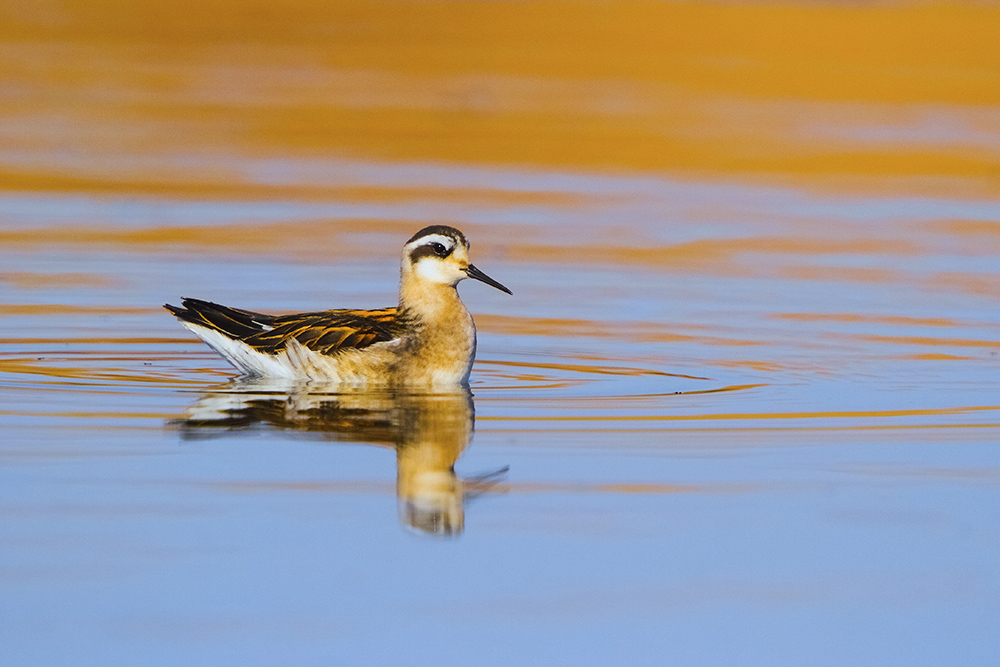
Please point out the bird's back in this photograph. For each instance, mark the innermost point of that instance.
(260, 344)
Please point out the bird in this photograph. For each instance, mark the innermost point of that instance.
(427, 340)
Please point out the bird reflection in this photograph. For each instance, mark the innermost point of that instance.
(428, 431)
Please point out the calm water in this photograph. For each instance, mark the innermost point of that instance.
(743, 407)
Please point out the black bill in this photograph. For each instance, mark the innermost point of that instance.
(473, 272)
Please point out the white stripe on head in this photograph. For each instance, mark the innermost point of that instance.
(447, 241)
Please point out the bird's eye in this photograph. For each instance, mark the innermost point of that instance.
(439, 249)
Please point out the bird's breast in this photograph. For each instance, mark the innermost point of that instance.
(439, 351)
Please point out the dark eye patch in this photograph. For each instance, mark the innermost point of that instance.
(430, 250)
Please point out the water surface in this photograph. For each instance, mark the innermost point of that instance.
(742, 408)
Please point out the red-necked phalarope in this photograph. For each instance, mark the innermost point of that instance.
(429, 339)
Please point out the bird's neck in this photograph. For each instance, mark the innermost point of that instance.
(425, 299)
(438, 336)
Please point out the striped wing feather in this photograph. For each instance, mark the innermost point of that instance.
(325, 332)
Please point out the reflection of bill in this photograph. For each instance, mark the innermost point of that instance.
(428, 431)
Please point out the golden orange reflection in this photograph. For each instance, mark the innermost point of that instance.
(301, 239)
(781, 89)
